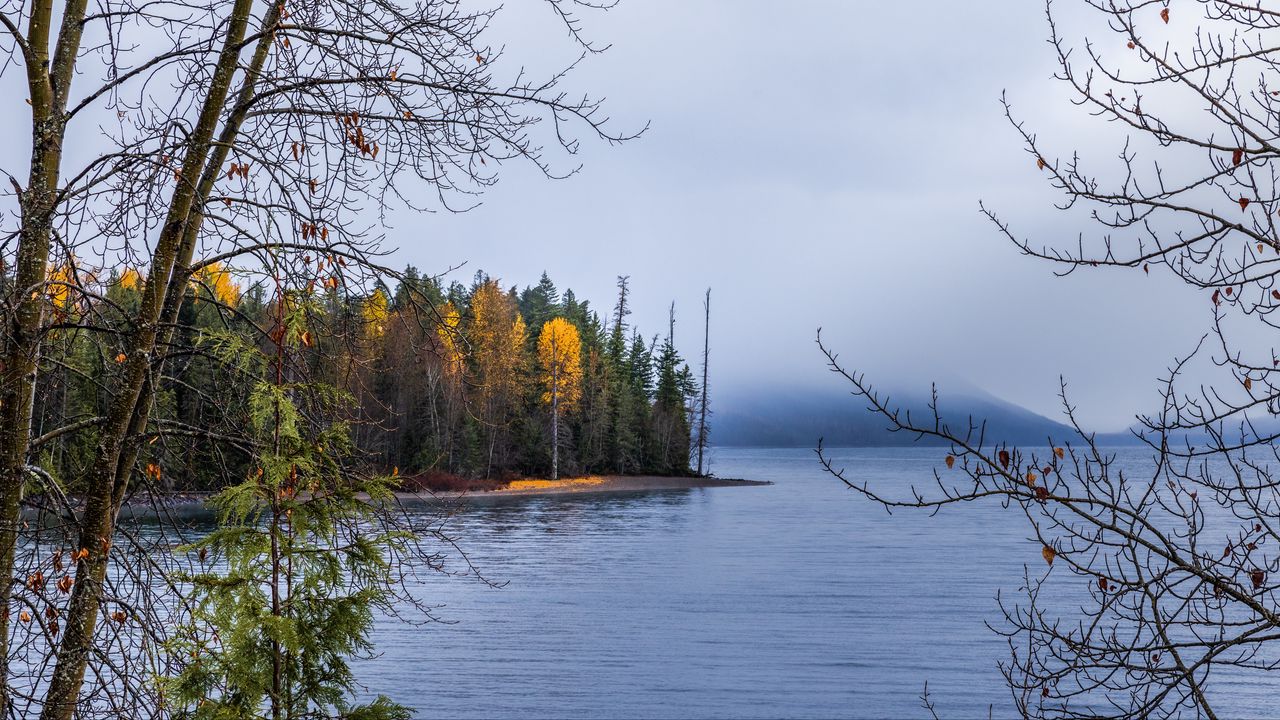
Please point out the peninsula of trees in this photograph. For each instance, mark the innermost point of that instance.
(443, 382)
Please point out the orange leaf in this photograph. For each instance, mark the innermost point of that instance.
(1048, 554)
(1040, 163)
(1236, 156)
(1164, 15)
(1004, 459)
(1131, 45)
(1248, 384)
(1244, 203)
(951, 461)
(121, 357)
(1059, 452)
(1031, 479)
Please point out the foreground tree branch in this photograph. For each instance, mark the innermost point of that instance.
(1160, 581)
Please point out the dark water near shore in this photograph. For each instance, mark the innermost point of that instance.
(793, 600)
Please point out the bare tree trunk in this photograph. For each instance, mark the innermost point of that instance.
(107, 480)
(555, 421)
(702, 403)
(48, 82)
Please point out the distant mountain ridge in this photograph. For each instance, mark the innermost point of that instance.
(799, 419)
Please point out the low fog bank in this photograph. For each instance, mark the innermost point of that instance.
(798, 417)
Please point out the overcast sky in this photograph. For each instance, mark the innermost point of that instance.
(820, 164)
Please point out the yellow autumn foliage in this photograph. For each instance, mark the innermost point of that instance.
(131, 279)
(567, 483)
(375, 310)
(497, 335)
(560, 357)
(450, 343)
(217, 279)
(61, 279)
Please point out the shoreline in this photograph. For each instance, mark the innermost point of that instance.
(193, 504)
(599, 484)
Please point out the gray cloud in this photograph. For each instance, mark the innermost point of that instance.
(820, 163)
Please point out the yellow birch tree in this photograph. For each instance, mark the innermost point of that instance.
(560, 355)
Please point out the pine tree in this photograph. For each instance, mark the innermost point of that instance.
(671, 423)
(295, 570)
(539, 304)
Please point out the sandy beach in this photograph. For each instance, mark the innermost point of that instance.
(592, 484)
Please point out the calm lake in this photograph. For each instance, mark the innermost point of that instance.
(798, 599)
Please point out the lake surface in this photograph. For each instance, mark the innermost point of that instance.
(798, 599)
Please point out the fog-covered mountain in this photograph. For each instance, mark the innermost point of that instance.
(798, 419)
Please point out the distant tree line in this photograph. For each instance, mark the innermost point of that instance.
(478, 381)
